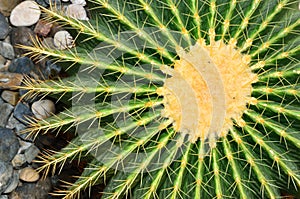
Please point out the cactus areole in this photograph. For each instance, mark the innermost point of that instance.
(208, 90)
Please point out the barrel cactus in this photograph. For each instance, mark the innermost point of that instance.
(177, 98)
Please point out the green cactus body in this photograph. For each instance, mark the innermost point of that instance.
(178, 99)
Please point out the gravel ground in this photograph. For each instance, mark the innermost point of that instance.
(18, 22)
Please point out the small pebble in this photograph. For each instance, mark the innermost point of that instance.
(31, 153)
(6, 50)
(79, 2)
(6, 110)
(76, 11)
(43, 109)
(10, 80)
(11, 97)
(26, 13)
(4, 27)
(22, 65)
(9, 144)
(43, 28)
(28, 174)
(6, 6)
(13, 183)
(18, 160)
(63, 40)
(6, 172)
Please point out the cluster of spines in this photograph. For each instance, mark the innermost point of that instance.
(251, 26)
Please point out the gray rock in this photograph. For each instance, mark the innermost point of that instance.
(22, 112)
(6, 110)
(2, 59)
(3, 197)
(42, 3)
(44, 185)
(22, 65)
(18, 160)
(31, 153)
(6, 172)
(9, 144)
(76, 11)
(40, 190)
(24, 146)
(2, 67)
(52, 70)
(21, 36)
(13, 182)
(21, 193)
(24, 136)
(14, 124)
(7, 39)
(4, 27)
(26, 13)
(6, 50)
